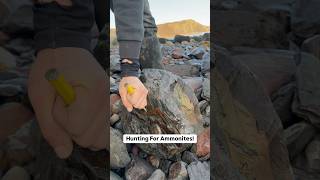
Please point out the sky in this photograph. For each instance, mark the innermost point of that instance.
(175, 10)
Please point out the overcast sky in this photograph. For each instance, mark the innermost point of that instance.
(175, 10)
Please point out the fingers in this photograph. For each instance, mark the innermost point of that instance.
(43, 103)
(142, 103)
(123, 94)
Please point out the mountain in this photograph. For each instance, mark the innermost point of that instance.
(169, 30)
(185, 27)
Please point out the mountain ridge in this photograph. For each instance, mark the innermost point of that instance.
(169, 30)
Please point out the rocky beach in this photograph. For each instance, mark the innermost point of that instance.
(178, 102)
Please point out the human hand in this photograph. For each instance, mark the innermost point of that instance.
(136, 100)
(83, 121)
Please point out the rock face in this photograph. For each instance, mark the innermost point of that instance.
(172, 109)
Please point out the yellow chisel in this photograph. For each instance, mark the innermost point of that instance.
(131, 90)
(63, 88)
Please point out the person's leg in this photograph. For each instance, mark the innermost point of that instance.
(150, 55)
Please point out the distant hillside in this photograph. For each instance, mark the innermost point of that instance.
(169, 30)
(185, 27)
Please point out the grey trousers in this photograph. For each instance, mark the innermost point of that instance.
(150, 53)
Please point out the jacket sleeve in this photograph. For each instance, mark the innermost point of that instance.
(129, 25)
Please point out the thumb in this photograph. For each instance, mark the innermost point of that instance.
(126, 103)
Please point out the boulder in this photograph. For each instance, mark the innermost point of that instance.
(305, 18)
(282, 100)
(306, 103)
(178, 171)
(199, 169)
(8, 61)
(119, 157)
(266, 29)
(203, 143)
(172, 109)
(16, 173)
(298, 136)
(157, 175)
(244, 115)
(181, 38)
(312, 153)
(138, 169)
(273, 68)
(13, 116)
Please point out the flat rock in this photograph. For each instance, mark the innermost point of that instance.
(172, 109)
(119, 156)
(183, 69)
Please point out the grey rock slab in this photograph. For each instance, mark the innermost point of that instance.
(172, 109)
(199, 169)
(119, 157)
